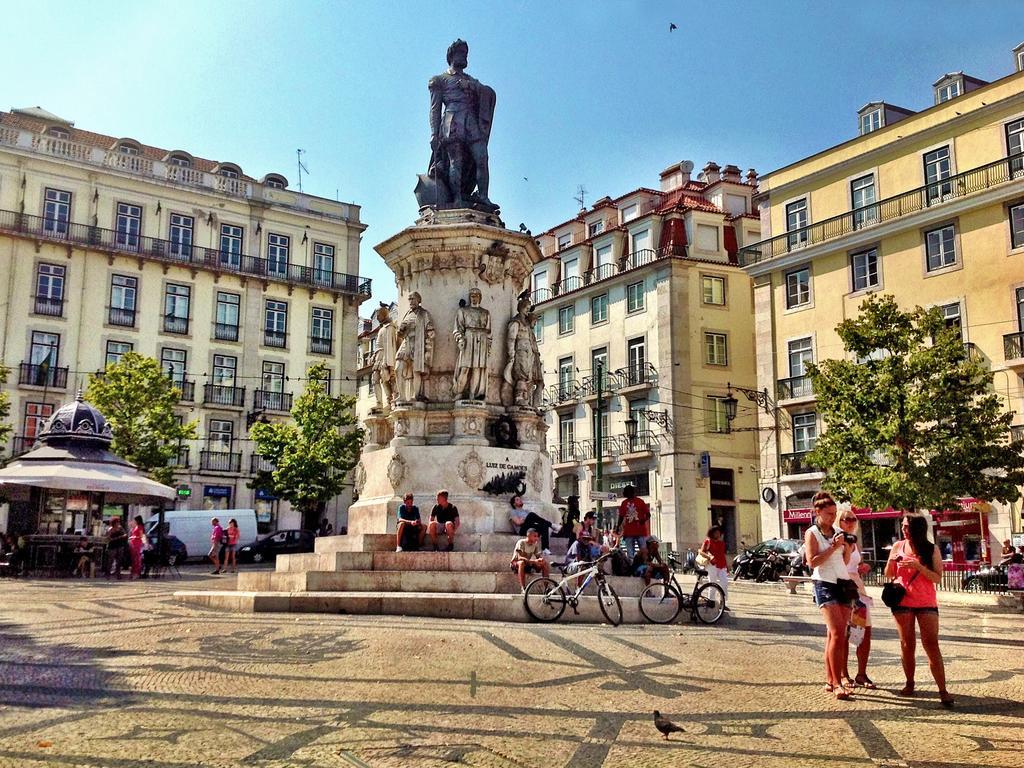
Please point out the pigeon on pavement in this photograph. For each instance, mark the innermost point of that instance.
(665, 725)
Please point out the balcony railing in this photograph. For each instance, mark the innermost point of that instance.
(188, 389)
(121, 317)
(609, 381)
(797, 464)
(49, 306)
(260, 463)
(22, 444)
(564, 453)
(174, 324)
(916, 200)
(225, 331)
(795, 386)
(564, 391)
(181, 459)
(267, 400)
(598, 274)
(644, 374)
(220, 394)
(178, 253)
(638, 259)
(645, 441)
(273, 338)
(319, 345)
(1013, 346)
(42, 376)
(611, 446)
(220, 461)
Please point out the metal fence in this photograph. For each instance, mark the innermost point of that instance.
(958, 577)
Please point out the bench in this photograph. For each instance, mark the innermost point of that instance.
(792, 582)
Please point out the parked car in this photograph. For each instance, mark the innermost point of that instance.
(990, 579)
(280, 543)
(747, 564)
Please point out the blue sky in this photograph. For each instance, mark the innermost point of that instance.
(593, 93)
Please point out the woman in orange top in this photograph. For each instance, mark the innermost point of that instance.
(231, 545)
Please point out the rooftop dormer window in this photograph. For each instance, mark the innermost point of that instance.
(128, 149)
(564, 241)
(595, 228)
(871, 121)
(273, 182)
(180, 160)
(1020, 61)
(948, 90)
(228, 173)
(58, 133)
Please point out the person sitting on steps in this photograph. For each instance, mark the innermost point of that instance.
(411, 532)
(648, 563)
(527, 557)
(522, 521)
(444, 518)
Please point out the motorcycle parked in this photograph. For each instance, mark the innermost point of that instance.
(745, 565)
(797, 566)
(772, 567)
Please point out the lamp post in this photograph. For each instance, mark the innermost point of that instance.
(599, 437)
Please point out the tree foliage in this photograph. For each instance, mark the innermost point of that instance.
(138, 400)
(912, 421)
(5, 411)
(314, 452)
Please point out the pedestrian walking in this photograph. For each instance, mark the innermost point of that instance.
(827, 555)
(861, 618)
(117, 547)
(216, 540)
(713, 549)
(916, 565)
(228, 555)
(136, 544)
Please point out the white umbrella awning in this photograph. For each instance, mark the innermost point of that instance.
(99, 478)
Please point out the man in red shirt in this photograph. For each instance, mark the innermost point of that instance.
(634, 522)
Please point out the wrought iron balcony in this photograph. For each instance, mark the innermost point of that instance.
(188, 389)
(220, 394)
(642, 375)
(609, 380)
(1013, 346)
(119, 316)
(645, 441)
(33, 375)
(181, 459)
(564, 391)
(797, 464)
(628, 262)
(174, 324)
(794, 387)
(916, 200)
(639, 258)
(320, 345)
(220, 461)
(564, 453)
(611, 446)
(260, 463)
(49, 306)
(175, 252)
(272, 338)
(268, 400)
(225, 331)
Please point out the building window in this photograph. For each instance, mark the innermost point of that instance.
(940, 247)
(566, 436)
(325, 380)
(222, 433)
(123, 294)
(805, 431)
(228, 173)
(871, 121)
(58, 133)
(595, 228)
(56, 211)
(273, 378)
(176, 308)
(636, 358)
(798, 288)
(635, 297)
(323, 330)
(275, 329)
(801, 352)
(707, 238)
(180, 235)
(1017, 225)
(116, 350)
(951, 316)
(571, 275)
(230, 245)
(323, 263)
(603, 266)
(224, 368)
(862, 197)
(180, 161)
(599, 309)
(564, 241)
(864, 266)
(641, 242)
(796, 221)
(273, 183)
(1015, 146)
(129, 226)
(937, 166)
(173, 363)
(49, 298)
(630, 212)
(566, 319)
(540, 281)
(566, 368)
(227, 319)
(44, 349)
(948, 91)
(128, 149)
(599, 360)
(713, 290)
(36, 415)
(716, 349)
(1020, 309)
(717, 417)
(538, 329)
(278, 247)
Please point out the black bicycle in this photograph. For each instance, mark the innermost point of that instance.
(661, 601)
(545, 599)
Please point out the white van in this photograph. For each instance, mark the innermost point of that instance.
(192, 527)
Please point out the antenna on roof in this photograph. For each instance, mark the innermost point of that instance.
(298, 157)
(581, 197)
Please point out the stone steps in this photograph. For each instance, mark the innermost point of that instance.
(399, 561)
(464, 542)
(403, 581)
(489, 607)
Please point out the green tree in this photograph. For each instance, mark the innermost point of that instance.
(912, 420)
(138, 399)
(313, 453)
(5, 411)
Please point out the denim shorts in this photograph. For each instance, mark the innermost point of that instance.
(827, 593)
(915, 611)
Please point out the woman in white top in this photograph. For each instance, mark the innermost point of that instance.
(827, 555)
(857, 568)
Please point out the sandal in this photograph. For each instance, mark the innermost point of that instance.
(865, 682)
(829, 688)
(907, 690)
(842, 694)
(848, 683)
(946, 699)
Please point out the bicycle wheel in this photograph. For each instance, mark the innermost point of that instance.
(709, 603)
(660, 603)
(609, 602)
(544, 600)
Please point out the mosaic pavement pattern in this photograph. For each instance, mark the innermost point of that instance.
(115, 674)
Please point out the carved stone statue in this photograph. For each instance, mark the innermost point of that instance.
(385, 360)
(461, 112)
(523, 372)
(473, 338)
(416, 349)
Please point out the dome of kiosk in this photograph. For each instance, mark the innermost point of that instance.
(76, 421)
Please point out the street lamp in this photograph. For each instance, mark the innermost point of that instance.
(631, 427)
(730, 403)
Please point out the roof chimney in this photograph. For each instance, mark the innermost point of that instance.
(710, 173)
(676, 175)
(752, 177)
(731, 173)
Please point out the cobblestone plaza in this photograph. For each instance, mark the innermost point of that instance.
(116, 674)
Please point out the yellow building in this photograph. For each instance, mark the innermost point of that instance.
(926, 206)
(646, 288)
(235, 285)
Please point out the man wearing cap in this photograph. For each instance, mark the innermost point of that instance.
(583, 551)
(527, 557)
(648, 563)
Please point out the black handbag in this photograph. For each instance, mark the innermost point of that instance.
(893, 593)
(848, 591)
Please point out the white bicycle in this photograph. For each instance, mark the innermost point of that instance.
(545, 599)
